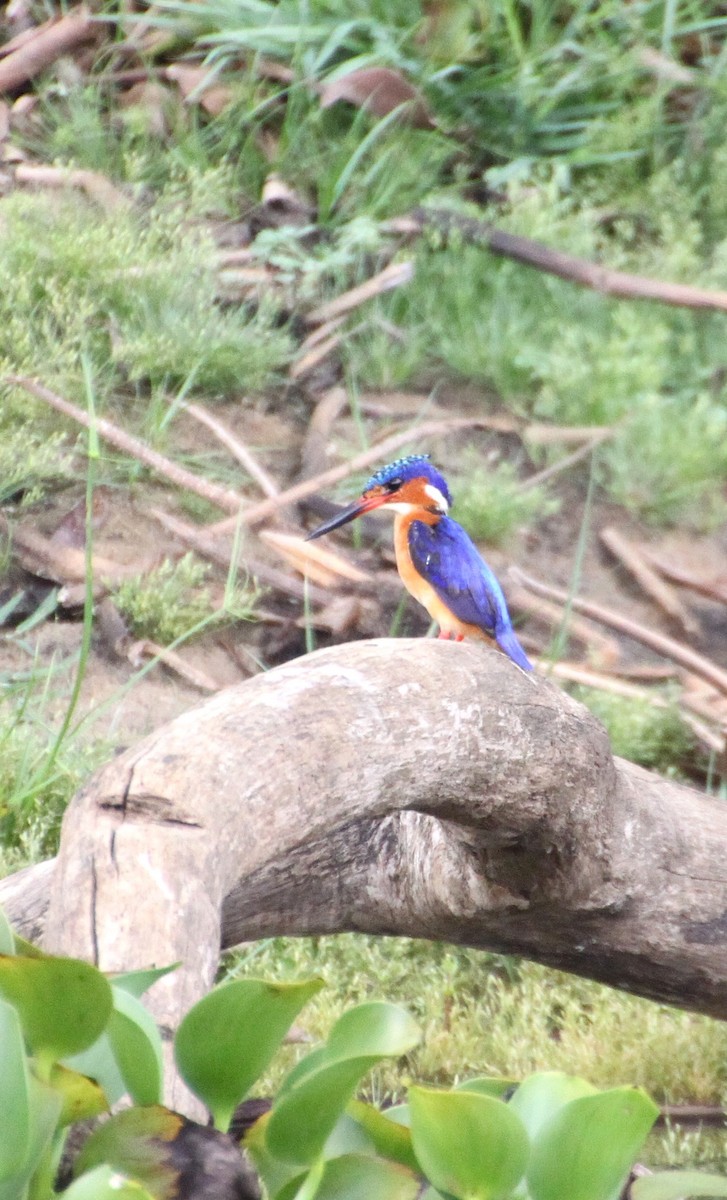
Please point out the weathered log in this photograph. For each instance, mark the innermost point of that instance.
(394, 787)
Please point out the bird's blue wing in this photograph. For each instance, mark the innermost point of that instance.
(447, 557)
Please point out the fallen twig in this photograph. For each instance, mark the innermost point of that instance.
(54, 38)
(564, 464)
(633, 560)
(322, 565)
(392, 276)
(255, 513)
(236, 447)
(96, 186)
(224, 498)
(617, 687)
(62, 564)
(313, 455)
(210, 549)
(566, 266)
(661, 644)
(713, 589)
(603, 647)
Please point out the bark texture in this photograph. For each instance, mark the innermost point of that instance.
(396, 787)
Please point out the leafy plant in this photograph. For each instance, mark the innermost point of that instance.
(65, 1028)
(167, 603)
(491, 502)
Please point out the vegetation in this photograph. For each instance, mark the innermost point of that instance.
(597, 130)
(70, 1058)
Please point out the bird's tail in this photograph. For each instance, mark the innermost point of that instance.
(507, 641)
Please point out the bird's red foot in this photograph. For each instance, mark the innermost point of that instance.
(459, 637)
(442, 636)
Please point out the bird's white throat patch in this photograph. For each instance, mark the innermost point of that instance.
(435, 494)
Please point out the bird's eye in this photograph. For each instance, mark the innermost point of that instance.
(393, 485)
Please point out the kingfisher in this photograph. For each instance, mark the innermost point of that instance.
(437, 560)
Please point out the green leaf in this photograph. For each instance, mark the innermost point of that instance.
(313, 1098)
(7, 939)
(541, 1096)
(488, 1085)
(138, 982)
(106, 1184)
(82, 1097)
(98, 1062)
(377, 1028)
(14, 1097)
(470, 1146)
(227, 1039)
(63, 1003)
(678, 1185)
(586, 1150)
(274, 1173)
(390, 1139)
(137, 1047)
(359, 1177)
(136, 1142)
(304, 1117)
(44, 1108)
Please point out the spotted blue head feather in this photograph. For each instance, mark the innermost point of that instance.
(414, 466)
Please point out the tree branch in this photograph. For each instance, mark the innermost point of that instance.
(395, 787)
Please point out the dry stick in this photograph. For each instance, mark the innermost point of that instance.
(658, 591)
(554, 614)
(392, 276)
(713, 589)
(236, 447)
(567, 266)
(323, 418)
(255, 513)
(616, 687)
(665, 646)
(96, 186)
(224, 498)
(51, 41)
(313, 357)
(269, 576)
(565, 463)
(62, 564)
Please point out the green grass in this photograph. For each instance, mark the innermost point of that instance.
(484, 1014)
(491, 503)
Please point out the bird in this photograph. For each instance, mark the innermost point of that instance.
(437, 560)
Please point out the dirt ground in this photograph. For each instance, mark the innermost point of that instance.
(120, 711)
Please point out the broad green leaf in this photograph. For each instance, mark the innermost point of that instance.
(106, 1184)
(358, 1177)
(138, 982)
(274, 1173)
(136, 1142)
(63, 1003)
(302, 1120)
(82, 1097)
(470, 1146)
(540, 1096)
(7, 938)
(317, 1090)
(390, 1139)
(488, 1085)
(44, 1108)
(14, 1094)
(586, 1150)
(377, 1028)
(678, 1185)
(28, 949)
(227, 1039)
(98, 1062)
(137, 1047)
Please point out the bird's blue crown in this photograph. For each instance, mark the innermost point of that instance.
(414, 466)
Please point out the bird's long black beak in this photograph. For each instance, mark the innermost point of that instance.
(364, 505)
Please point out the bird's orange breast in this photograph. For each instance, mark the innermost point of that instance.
(421, 589)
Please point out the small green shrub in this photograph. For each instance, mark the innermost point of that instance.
(490, 502)
(29, 460)
(645, 733)
(166, 604)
